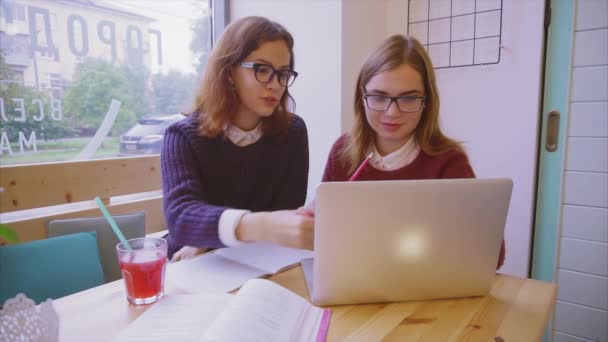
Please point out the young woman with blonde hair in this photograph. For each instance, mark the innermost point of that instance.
(396, 133)
(235, 166)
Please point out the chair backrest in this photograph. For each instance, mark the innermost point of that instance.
(50, 268)
(131, 225)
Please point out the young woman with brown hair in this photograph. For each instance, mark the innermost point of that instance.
(235, 166)
(397, 123)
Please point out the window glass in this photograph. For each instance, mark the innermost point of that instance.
(107, 73)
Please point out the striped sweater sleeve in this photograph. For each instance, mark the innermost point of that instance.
(191, 220)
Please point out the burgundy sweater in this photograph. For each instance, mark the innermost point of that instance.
(451, 164)
(204, 176)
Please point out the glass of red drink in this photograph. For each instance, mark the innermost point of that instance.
(143, 269)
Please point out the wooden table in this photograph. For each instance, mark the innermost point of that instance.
(516, 310)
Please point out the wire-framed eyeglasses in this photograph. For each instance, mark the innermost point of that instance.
(264, 73)
(405, 104)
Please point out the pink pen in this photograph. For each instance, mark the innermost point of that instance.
(359, 170)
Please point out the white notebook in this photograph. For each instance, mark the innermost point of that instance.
(226, 269)
(261, 311)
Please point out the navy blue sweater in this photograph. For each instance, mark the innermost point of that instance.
(204, 176)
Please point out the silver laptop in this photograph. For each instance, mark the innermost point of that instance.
(387, 241)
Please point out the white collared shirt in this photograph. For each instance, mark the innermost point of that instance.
(243, 138)
(405, 155)
(231, 218)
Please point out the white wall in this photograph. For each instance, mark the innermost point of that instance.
(359, 37)
(494, 110)
(582, 274)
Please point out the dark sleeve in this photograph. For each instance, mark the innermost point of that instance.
(457, 166)
(501, 256)
(293, 190)
(191, 220)
(329, 174)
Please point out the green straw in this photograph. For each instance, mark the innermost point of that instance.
(112, 223)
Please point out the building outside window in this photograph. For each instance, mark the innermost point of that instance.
(55, 80)
(67, 66)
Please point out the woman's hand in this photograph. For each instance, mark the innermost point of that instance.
(307, 209)
(291, 229)
(283, 227)
(188, 252)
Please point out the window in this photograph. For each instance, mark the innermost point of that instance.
(46, 54)
(55, 80)
(14, 76)
(19, 12)
(11, 12)
(147, 55)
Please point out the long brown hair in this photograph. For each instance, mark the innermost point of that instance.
(395, 51)
(217, 100)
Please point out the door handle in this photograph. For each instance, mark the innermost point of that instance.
(552, 131)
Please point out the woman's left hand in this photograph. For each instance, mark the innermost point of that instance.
(307, 209)
(188, 252)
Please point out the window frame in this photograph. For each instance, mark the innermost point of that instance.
(220, 18)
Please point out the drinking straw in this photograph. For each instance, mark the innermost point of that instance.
(112, 223)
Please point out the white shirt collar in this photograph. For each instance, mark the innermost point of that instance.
(243, 138)
(398, 159)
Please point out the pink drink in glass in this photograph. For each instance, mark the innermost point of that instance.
(143, 269)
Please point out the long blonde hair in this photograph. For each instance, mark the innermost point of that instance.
(217, 100)
(395, 51)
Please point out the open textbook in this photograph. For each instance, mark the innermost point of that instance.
(226, 269)
(260, 311)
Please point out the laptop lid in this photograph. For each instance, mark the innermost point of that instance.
(403, 240)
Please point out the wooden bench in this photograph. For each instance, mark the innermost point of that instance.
(33, 194)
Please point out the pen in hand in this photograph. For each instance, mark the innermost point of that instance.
(361, 167)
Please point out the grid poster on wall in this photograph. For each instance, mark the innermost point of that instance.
(457, 33)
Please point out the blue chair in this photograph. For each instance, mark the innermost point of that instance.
(50, 268)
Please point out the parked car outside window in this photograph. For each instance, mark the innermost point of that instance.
(146, 137)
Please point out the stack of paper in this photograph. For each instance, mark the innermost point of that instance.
(226, 269)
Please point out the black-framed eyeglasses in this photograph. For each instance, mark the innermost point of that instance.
(264, 73)
(405, 104)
